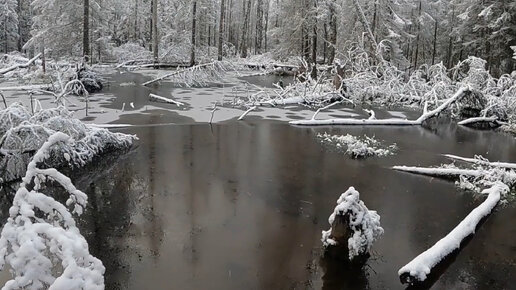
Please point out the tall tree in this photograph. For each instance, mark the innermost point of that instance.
(155, 37)
(86, 29)
(194, 32)
(8, 24)
(221, 29)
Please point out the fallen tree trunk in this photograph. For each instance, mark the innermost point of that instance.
(420, 267)
(439, 172)
(483, 162)
(17, 66)
(26, 88)
(482, 122)
(178, 72)
(157, 98)
(247, 112)
(383, 122)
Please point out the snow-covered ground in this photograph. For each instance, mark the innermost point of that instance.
(125, 96)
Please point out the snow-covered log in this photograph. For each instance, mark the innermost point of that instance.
(484, 162)
(384, 122)
(357, 147)
(421, 266)
(247, 112)
(40, 241)
(354, 228)
(195, 75)
(17, 66)
(26, 88)
(156, 98)
(440, 172)
(476, 120)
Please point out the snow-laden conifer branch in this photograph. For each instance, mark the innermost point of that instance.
(40, 241)
(196, 75)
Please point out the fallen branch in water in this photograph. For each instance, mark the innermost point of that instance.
(439, 172)
(17, 66)
(156, 98)
(392, 122)
(247, 112)
(198, 74)
(472, 121)
(484, 162)
(418, 269)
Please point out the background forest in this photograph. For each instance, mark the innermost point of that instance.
(408, 33)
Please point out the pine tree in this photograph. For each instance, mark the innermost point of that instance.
(8, 25)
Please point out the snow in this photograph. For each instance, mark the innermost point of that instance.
(40, 241)
(364, 223)
(157, 98)
(419, 268)
(357, 147)
(23, 134)
(470, 121)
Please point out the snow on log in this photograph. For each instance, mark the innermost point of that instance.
(17, 66)
(484, 162)
(26, 88)
(421, 266)
(198, 74)
(354, 228)
(440, 172)
(40, 242)
(247, 112)
(478, 120)
(384, 122)
(156, 98)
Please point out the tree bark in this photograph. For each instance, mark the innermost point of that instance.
(194, 23)
(259, 26)
(86, 29)
(247, 13)
(155, 43)
(221, 28)
(332, 32)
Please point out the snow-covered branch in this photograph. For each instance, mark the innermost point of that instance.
(22, 65)
(157, 98)
(421, 266)
(40, 241)
(384, 122)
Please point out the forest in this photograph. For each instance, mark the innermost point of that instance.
(200, 144)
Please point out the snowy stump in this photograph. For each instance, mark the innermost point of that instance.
(353, 230)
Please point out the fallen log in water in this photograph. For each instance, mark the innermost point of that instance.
(384, 122)
(483, 162)
(420, 267)
(156, 98)
(17, 66)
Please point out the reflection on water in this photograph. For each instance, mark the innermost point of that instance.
(242, 206)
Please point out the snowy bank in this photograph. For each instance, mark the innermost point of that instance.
(22, 134)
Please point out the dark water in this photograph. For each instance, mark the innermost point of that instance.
(242, 206)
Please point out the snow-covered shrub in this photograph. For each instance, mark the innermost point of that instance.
(40, 241)
(131, 51)
(22, 135)
(357, 147)
(362, 226)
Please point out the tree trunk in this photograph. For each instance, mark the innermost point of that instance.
(221, 28)
(435, 43)
(332, 33)
(259, 26)
(155, 43)
(418, 34)
(86, 29)
(247, 13)
(194, 23)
